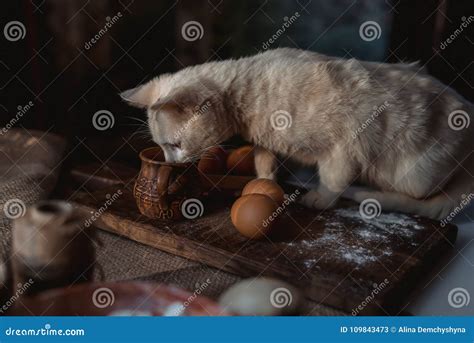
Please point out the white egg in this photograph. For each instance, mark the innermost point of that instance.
(261, 297)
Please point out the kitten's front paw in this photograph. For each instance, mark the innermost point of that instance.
(314, 199)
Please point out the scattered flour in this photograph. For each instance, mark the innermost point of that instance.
(362, 245)
(392, 223)
(358, 255)
(337, 247)
(311, 263)
(370, 235)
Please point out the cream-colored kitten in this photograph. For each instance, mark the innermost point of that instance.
(391, 126)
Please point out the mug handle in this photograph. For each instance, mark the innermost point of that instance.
(162, 186)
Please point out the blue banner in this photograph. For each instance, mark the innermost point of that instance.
(237, 329)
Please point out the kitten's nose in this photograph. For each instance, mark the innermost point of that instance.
(169, 157)
(174, 157)
(180, 155)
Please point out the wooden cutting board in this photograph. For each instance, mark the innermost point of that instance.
(336, 257)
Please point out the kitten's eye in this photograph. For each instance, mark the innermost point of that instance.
(175, 145)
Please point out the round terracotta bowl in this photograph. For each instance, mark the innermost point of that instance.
(118, 299)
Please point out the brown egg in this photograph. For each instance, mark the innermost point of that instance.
(254, 215)
(266, 187)
(241, 161)
(213, 161)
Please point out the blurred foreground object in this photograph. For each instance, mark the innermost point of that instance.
(29, 167)
(51, 247)
(119, 299)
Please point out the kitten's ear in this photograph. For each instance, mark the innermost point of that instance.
(141, 96)
(167, 105)
(178, 103)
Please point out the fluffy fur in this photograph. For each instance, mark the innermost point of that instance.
(386, 125)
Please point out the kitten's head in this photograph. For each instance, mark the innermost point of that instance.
(185, 117)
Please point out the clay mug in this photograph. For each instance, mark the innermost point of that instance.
(163, 187)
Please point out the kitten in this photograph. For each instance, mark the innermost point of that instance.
(389, 126)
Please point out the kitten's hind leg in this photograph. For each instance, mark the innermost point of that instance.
(335, 175)
(265, 163)
(437, 207)
(456, 194)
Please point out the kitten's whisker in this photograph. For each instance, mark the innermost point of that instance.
(141, 134)
(138, 119)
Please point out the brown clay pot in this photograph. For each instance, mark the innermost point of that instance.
(161, 187)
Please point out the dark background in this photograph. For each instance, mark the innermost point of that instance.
(68, 83)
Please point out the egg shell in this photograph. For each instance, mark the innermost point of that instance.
(213, 161)
(251, 215)
(241, 161)
(266, 187)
